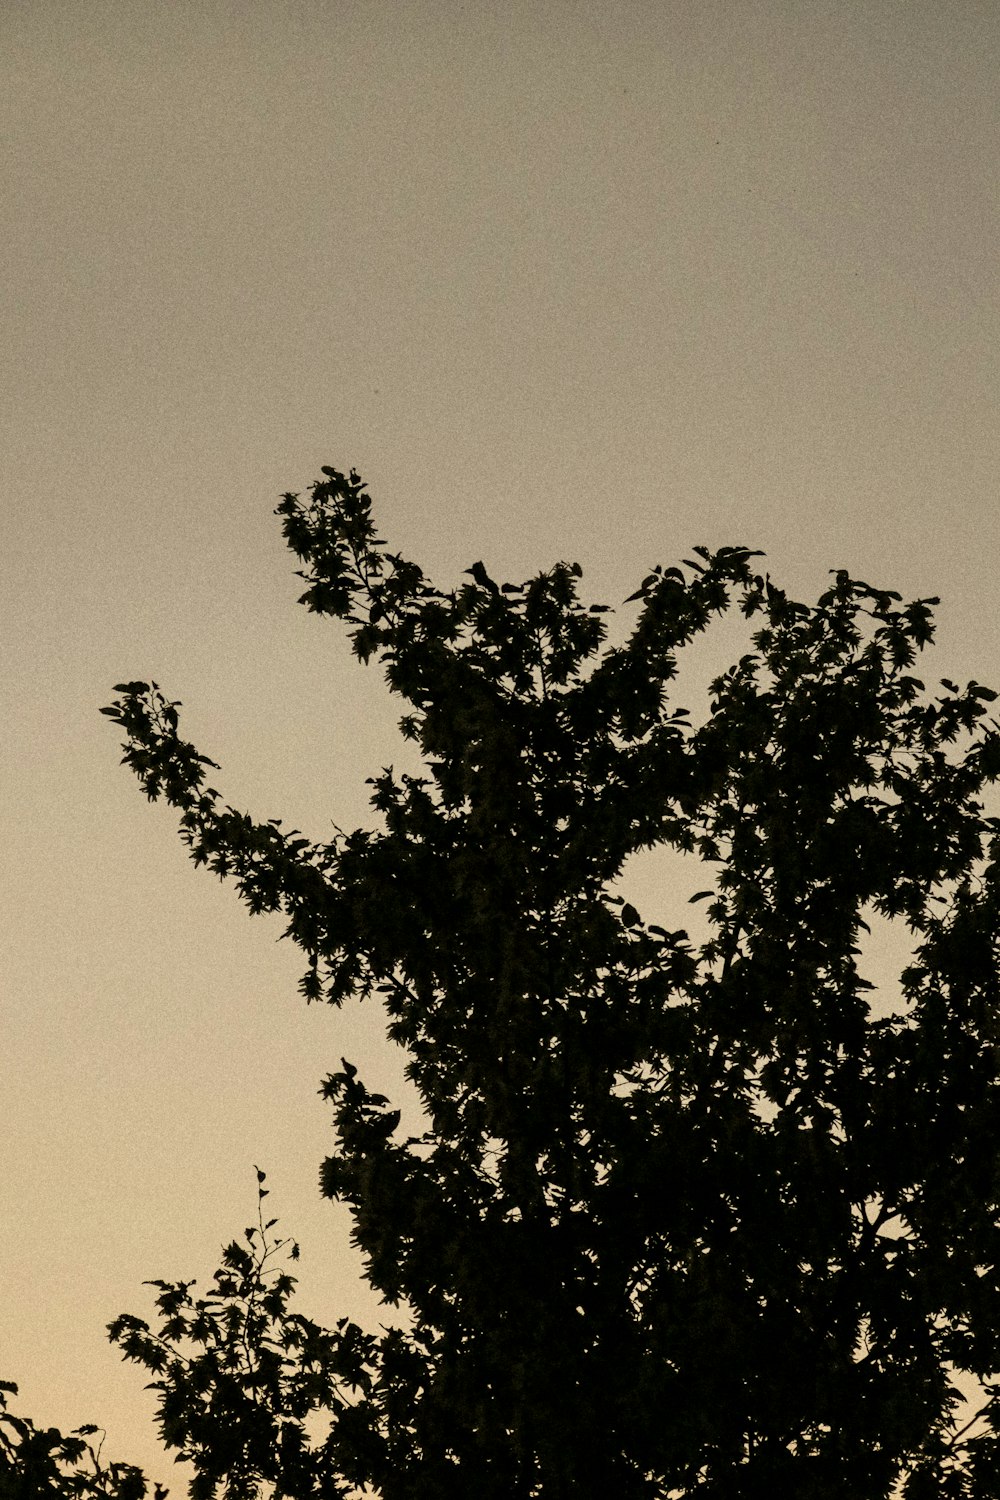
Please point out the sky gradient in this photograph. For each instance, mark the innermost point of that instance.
(573, 280)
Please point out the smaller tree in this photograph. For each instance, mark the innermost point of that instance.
(36, 1462)
(244, 1383)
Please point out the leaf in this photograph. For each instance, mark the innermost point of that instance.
(481, 576)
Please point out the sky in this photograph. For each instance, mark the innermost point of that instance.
(593, 280)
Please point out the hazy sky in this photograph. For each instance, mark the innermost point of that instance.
(575, 279)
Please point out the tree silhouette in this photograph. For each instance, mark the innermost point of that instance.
(687, 1218)
(40, 1462)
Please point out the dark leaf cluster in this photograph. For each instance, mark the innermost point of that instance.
(42, 1463)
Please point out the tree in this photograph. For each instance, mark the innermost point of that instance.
(687, 1218)
(240, 1378)
(36, 1462)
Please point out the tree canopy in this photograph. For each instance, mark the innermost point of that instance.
(688, 1218)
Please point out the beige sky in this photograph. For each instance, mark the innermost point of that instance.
(594, 281)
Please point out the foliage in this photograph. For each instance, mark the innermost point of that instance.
(38, 1462)
(240, 1376)
(687, 1218)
